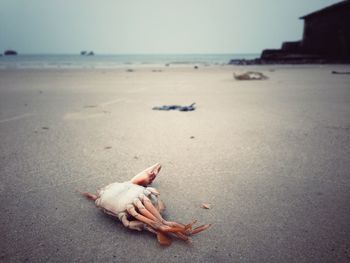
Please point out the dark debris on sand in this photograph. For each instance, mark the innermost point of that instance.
(175, 107)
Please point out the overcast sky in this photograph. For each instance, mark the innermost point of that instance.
(151, 26)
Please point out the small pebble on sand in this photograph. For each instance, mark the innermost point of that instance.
(206, 206)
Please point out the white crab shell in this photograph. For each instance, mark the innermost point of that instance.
(115, 197)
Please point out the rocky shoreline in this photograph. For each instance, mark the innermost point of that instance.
(286, 61)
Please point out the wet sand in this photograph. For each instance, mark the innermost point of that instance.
(272, 158)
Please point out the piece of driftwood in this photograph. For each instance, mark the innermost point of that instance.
(250, 75)
(341, 72)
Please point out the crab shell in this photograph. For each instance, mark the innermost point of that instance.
(138, 207)
(115, 198)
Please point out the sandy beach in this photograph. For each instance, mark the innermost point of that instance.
(272, 157)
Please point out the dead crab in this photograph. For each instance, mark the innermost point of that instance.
(138, 207)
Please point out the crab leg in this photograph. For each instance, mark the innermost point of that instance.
(88, 195)
(131, 210)
(137, 202)
(153, 194)
(150, 207)
(187, 228)
(160, 205)
(162, 238)
(200, 229)
(132, 224)
(156, 225)
(148, 214)
(153, 191)
(147, 176)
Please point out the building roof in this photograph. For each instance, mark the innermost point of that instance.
(329, 9)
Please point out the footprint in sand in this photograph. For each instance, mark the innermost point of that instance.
(82, 115)
(91, 111)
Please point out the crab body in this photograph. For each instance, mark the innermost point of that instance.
(139, 207)
(115, 197)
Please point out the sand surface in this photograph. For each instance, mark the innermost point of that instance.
(272, 158)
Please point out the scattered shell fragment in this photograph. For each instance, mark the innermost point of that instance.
(206, 206)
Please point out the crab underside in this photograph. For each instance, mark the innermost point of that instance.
(139, 207)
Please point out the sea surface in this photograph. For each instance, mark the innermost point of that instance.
(117, 61)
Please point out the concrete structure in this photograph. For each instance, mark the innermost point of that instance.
(327, 31)
(326, 37)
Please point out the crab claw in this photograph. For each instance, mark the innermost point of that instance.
(147, 176)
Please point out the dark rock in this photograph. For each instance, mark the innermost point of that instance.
(85, 53)
(10, 53)
(272, 54)
(290, 59)
(245, 62)
(195, 67)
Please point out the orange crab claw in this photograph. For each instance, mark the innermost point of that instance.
(147, 176)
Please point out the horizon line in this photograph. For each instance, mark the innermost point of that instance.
(137, 53)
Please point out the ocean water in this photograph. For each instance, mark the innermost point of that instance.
(117, 61)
